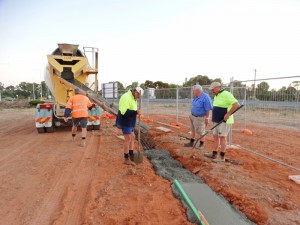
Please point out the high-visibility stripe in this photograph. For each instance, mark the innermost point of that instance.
(79, 103)
(43, 119)
(78, 110)
(47, 119)
(93, 117)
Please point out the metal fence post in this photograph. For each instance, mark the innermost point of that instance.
(230, 132)
(192, 95)
(245, 109)
(148, 101)
(177, 96)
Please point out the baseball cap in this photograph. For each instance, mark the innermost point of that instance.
(214, 84)
(140, 90)
(77, 91)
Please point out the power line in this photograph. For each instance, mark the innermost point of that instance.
(262, 79)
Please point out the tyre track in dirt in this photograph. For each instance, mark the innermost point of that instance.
(18, 152)
(30, 165)
(53, 171)
(74, 200)
(48, 212)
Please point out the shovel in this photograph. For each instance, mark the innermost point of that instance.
(139, 156)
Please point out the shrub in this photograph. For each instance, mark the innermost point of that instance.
(35, 102)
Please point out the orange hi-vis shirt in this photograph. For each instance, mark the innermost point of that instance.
(79, 105)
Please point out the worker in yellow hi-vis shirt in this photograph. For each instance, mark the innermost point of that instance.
(126, 120)
(224, 105)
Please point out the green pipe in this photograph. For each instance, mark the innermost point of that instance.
(188, 201)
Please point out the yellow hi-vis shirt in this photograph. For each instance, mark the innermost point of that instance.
(222, 103)
(126, 102)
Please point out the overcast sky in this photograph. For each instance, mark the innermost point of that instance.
(165, 40)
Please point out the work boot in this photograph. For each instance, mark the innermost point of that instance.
(83, 143)
(189, 144)
(127, 161)
(201, 146)
(219, 159)
(212, 155)
(131, 157)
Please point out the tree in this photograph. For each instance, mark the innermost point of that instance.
(160, 84)
(262, 92)
(44, 89)
(263, 86)
(1, 86)
(295, 84)
(9, 91)
(291, 94)
(149, 84)
(200, 79)
(132, 86)
(120, 85)
(237, 83)
(23, 90)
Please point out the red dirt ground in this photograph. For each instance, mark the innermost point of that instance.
(48, 179)
(259, 188)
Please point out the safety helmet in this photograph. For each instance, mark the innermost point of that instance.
(140, 90)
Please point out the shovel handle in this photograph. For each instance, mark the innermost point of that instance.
(139, 122)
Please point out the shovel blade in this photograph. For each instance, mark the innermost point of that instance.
(138, 157)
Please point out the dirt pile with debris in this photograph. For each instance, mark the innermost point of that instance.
(14, 104)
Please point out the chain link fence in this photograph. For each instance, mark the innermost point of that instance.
(263, 108)
(173, 105)
(272, 115)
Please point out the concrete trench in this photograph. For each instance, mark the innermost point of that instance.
(216, 209)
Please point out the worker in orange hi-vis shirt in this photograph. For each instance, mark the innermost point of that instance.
(78, 105)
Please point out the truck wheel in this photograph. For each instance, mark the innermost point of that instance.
(96, 127)
(89, 127)
(40, 129)
(49, 129)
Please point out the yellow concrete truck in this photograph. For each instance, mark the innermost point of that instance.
(68, 68)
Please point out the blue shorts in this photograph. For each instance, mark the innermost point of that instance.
(127, 130)
(81, 120)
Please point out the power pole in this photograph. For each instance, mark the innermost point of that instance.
(41, 89)
(33, 94)
(254, 92)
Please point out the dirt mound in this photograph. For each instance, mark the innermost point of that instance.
(14, 104)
